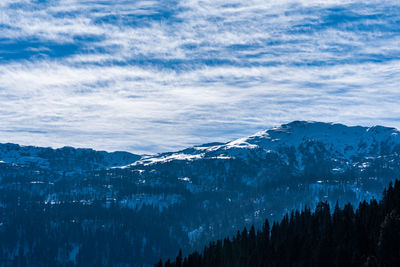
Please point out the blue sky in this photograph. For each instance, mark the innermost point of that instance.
(152, 76)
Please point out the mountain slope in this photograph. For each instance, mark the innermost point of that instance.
(340, 141)
(370, 236)
(63, 159)
(155, 204)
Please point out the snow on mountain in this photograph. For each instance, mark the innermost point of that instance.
(166, 158)
(340, 141)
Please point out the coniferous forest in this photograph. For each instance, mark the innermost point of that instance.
(366, 236)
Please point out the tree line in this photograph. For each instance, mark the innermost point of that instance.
(368, 236)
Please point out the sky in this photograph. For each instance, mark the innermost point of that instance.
(156, 76)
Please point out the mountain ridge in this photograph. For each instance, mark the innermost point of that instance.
(82, 159)
(187, 197)
(266, 139)
(352, 140)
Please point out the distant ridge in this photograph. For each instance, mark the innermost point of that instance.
(65, 158)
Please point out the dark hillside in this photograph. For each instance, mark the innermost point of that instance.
(368, 236)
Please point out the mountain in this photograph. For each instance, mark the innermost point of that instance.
(340, 141)
(66, 159)
(147, 207)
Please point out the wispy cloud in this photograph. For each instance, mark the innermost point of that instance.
(150, 76)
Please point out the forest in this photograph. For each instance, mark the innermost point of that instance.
(366, 236)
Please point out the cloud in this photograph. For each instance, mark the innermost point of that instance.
(152, 76)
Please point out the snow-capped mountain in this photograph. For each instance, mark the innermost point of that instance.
(340, 141)
(194, 195)
(298, 148)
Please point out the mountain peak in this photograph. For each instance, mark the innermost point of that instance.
(344, 141)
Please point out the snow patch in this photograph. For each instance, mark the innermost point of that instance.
(163, 159)
(195, 234)
(162, 201)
